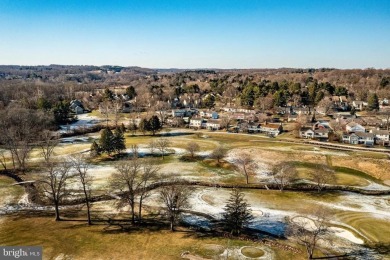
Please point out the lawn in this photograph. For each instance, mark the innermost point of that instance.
(78, 241)
(9, 193)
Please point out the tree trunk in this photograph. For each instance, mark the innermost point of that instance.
(88, 206)
(88, 214)
(57, 211)
(140, 209)
(132, 213)
(172, 224)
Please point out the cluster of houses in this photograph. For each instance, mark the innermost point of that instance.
(351, 133)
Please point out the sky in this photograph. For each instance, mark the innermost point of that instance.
(197, 33)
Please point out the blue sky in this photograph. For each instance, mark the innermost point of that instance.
(197, 33)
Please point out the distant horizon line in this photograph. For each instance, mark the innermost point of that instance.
(196, 68)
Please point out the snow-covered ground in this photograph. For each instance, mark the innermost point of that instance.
(84, 121)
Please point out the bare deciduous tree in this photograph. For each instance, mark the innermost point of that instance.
(162, 145)
(148, 175)
(81, 166)
(20, 133)
(309, 231)
(175, 199)
(125, 180)
(48, 141)
(106, 108)
(131, 179)
(192, 148)
(284, 173)
(134, 150)
(246, 164)
(219, 153)
(225, 122)
(152, 147)
(54, 183)
(117, 105)
(3, 159)
(323, 175)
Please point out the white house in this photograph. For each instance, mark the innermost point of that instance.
(359, 138)
(213, 124)
(354, 127)
(271, 129)
(306, 132)
(359, 105)
(197, 122)
(381, 136)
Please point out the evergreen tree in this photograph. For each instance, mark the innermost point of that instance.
(123, 128)
(43, 103)
(95, 149)
(118, 141)
(154, 124)
(106, 141)
(237, 212)
(279, 99)
(319, 97)
(108, 94)
(61, 112)
(373, 102)
(144, 126)
(130, 92)
(209, 101)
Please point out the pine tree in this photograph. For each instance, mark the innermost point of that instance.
(144, 126)
(130, 92)
(373, 102)
(106, 141)
(118, 141)
(95, 149)
(123, 128)
(154, 124)
(237, 212)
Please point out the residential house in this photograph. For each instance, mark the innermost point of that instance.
(213, 124)
(354, 127)
(197, 122)
(292, 118)
(382, 137)
(302, 110)
(372, 121)
(359, 138)
(76, 106)
(253, 128)
(321, 124)
(209, 114)
(183, 112)
(340, 102)
(310, 133)
(322, 133)
(271, 129)
(285, 110)
(306, 132)
(359, 105)
(238, 116)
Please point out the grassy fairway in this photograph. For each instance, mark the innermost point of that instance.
(9, 193)
(79, 241)
(375, 229)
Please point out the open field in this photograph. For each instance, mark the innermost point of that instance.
(355, 216)
(76, 240)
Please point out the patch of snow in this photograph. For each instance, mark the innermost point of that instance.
(343, 233)
(375, 205)
(375, 186)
